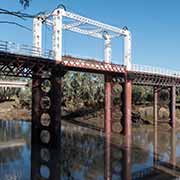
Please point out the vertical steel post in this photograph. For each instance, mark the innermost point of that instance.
(173, 106)
(46, 127)
(155, 108)
(127, 50)
(108, 87)
(57, 33)
(127, 110)
(122, 120)
(37, 35)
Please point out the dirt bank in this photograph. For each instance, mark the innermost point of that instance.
(10, 111)
(93, 118)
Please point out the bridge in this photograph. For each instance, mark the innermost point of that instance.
(47, 67)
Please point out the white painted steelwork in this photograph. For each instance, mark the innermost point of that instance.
(37, 33)
(107, 48)
(154, 70)
(27, 50)
(57, 34)
(127, 51)
(86, 26)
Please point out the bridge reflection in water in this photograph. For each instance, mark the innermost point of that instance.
(87, 156)
(84, 154)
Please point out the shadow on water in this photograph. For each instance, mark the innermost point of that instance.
(86, 155)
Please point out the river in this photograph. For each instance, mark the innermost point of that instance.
(87, 155)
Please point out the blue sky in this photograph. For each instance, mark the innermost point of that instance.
(154, 24)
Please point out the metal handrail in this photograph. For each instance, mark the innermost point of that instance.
(25, 50)
(155, 70)
(11, 47)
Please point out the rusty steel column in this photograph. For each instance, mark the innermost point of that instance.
(122, 108)
(155, 108)
(107, 158)
(173, 106)
(46, 127)
(108, 106)
(108, 87)
(127, 110)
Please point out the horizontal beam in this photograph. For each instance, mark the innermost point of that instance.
(90, 65)
(82, 19)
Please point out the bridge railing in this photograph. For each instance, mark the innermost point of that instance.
(11, 47)
(155, 70)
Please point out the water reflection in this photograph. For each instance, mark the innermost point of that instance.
(87, 155)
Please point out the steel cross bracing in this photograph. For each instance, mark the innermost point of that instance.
(23, 63)
(85, 25)
(79, 24)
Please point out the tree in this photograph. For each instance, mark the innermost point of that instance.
(82, 90)
(25, 3)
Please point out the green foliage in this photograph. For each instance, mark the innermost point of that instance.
(142, 94)
(164, 95)
(25, 3)
(7, 93)
(25, 98)
(82, 89)
(116, 92)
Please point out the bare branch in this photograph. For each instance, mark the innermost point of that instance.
(15, 23)
(18, 14)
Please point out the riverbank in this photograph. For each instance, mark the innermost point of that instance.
(9, 110)
(93, 118)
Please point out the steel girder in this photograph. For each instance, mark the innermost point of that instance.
(148, 79)
(26, 66)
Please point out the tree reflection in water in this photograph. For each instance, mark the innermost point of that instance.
(14, 146)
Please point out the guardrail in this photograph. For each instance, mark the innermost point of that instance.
(155, 70)
(11, 47)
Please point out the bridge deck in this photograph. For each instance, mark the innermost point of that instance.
(20, 65)
(12, 64)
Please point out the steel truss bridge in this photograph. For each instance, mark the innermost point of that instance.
(47, 67)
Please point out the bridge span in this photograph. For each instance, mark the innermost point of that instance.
(20, 63)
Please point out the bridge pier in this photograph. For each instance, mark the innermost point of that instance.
(46, 126)
(127, 110)
(108, 106)
(155, 108)
(172, 106)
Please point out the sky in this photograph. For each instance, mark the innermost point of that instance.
(154, 24)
